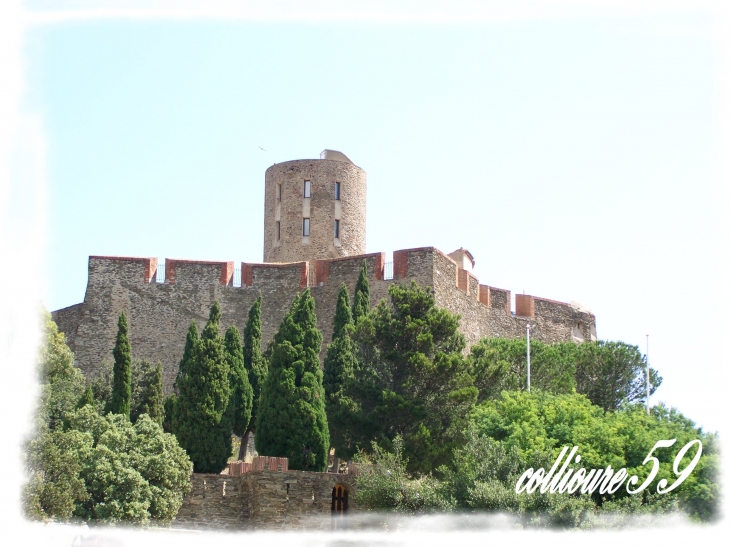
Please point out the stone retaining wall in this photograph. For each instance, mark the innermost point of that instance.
(262, 500)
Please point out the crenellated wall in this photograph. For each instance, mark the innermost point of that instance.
(262, 500)
(160, 313)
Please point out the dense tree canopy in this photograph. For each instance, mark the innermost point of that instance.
(147, 395)
(499, 364)
(191, 344)
(343, 314)
(521, 430)
(133, 473)
(611, 374)
(445, 431)
(541, 423)
(55, 485)
(291, 421)
(412, 379)
(62, 384)
(202, 419)
(94, 468)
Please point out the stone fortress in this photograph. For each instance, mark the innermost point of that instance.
(314, 237)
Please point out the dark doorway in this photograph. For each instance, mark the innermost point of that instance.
(339, 507)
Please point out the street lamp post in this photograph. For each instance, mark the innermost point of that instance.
(647, 374)
(528, 357)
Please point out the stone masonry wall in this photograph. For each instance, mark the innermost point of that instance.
(261, 500)
(321, 208)
(553, 321)
(160, 313)
(68, 319)
(206, 508)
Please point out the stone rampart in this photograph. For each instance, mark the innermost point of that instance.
(160, 313)
(262, 500)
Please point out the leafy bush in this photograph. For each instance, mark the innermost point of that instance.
(55, 485)
(105, 469)
(527, 430)
(386, 485)
(133, 473)
(96, 468)
(537, 423)
(62, 384)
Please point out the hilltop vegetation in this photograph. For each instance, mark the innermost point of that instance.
(446, 430)
(94, 466)
(449, 432)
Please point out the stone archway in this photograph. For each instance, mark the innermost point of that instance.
(339, 506)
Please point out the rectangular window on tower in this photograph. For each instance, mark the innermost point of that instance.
(337, 191)
(337, 229)
(278, 230)
(305, 227)
(278, 192)
(307, 188)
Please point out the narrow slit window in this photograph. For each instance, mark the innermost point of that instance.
(278, 230)
(337, 229)
(305, 227)
(278, 192)
(307, 188)
(337, 191)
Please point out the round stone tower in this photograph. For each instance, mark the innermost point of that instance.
(314, 209)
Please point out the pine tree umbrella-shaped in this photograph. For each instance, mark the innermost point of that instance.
(292, 421)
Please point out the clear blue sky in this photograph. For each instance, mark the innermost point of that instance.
(576, 157)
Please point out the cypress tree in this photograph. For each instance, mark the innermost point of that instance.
(241, 391)
(291, 421)
(190, 343)
(169, 409)
(202, 420)
(343, 315)
(339, 365)
(122, 375)
(361, 299)
(255, 364)
(148, 398)
(86, 399)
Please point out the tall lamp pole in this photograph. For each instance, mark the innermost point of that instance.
(528, 357)
(647, 374)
